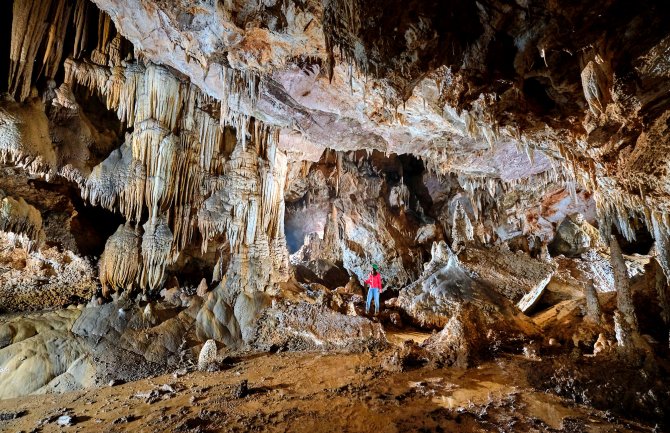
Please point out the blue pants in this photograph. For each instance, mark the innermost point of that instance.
(372, 292)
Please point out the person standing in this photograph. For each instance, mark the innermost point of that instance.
(374, 283)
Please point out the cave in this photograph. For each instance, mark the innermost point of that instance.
(334, 216)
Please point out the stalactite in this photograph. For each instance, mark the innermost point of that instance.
(81, 29)
(169, 170)
(21, 218)
(250, 204)
(100, 54)
(56, 38)
(156, 247)
(29, 25)
(236, 85)
(120, 264)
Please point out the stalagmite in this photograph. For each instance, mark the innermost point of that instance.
(593, 311)
(624, 332)
(661, 285)
(461, 230)
(625, 304)
(207, 356)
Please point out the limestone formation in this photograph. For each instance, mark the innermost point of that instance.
(234, 169)
(461, 341)
(574, 236)
(120, 263)
(20, 218)
(593, 310)
(461, 232)
(307, 326)
(625, 304)
(207, 357)
(446, 287)
(595, 85)
(45, 278)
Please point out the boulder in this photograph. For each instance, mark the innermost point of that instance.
(574, 236)
(207, 357)
(305, 326)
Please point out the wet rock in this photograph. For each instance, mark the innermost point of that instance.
(410, 355)
(461, 342)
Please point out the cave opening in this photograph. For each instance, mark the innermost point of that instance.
(91, 226)
(535, 91)
(103, 120)
(642, 243)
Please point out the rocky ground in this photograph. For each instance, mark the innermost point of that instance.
(308, 392)
(452, 352)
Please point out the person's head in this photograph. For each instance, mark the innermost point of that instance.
(375, 268)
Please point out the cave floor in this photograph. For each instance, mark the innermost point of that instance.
(315, 392)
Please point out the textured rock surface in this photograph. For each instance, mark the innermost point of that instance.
(207, 356)
(446, 287)
(306, 326)
(71, 349)
(248, 162)
(42, 279)
(574, 236)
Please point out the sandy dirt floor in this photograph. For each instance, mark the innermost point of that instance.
(315, 392)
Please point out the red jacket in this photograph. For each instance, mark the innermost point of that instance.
(374, 281)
